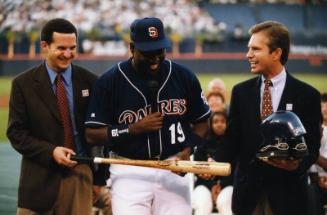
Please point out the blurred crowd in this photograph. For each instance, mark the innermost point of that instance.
(108, 18)
(104, 24)
(267, 1)
(107, 22)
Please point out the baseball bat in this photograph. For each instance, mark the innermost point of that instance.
(197, 167)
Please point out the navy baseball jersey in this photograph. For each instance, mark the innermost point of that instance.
(122, 96)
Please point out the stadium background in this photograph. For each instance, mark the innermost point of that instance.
(208, 36)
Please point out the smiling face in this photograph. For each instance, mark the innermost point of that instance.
(60, 53)
(259, 54)
(262, 59)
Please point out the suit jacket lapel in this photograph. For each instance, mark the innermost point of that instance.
(43, 88)
(256, 99)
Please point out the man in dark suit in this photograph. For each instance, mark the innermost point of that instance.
(275, 186)
(46, 117)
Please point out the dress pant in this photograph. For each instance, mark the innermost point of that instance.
(75, 194)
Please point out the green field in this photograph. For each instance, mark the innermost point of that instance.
(5, 83)
(318, 81)
(3, 123)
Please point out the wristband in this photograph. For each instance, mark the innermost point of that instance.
(120, 131)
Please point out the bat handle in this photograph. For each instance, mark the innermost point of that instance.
(81, 159)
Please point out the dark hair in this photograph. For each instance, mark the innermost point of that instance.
(278, 35)
(56, 25)
(324, 97)
(218, 113)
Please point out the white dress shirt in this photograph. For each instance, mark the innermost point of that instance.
(276, 90)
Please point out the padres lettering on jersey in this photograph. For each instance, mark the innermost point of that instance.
(121, 97)
(167, 107)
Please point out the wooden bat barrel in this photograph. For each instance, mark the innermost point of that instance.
(197, 167)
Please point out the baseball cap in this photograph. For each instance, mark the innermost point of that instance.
(148, 34)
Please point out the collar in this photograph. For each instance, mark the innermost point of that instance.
(280, 78)
(66, 74)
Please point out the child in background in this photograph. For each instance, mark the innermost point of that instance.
(207, 188)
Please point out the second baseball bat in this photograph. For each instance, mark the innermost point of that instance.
(197, 167)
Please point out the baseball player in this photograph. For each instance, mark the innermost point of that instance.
(148, 107)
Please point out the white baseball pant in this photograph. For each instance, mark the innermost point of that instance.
(202, 200)
(148, 191)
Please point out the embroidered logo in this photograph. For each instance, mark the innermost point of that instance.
(85, 93)
(114, 133)
(289, 107)
(153, 32)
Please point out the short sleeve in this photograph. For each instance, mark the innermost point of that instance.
(100, 106)
(199, 109)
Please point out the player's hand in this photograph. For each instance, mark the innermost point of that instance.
(286, 164)
(207, 176)
(151, 122)
(62, 156)
(183, 155)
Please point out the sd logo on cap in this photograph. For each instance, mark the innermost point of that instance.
(148, 34)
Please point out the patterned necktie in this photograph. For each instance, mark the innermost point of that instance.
(266, 108)
(63, 107)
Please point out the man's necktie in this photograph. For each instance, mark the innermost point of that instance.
(266, 108)
(63, 107)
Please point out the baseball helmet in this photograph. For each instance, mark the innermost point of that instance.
(283, 136)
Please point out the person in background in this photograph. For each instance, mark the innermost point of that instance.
(217, 84)
(47, 110)
(318, 172)
(216, 101)
(208, 189)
